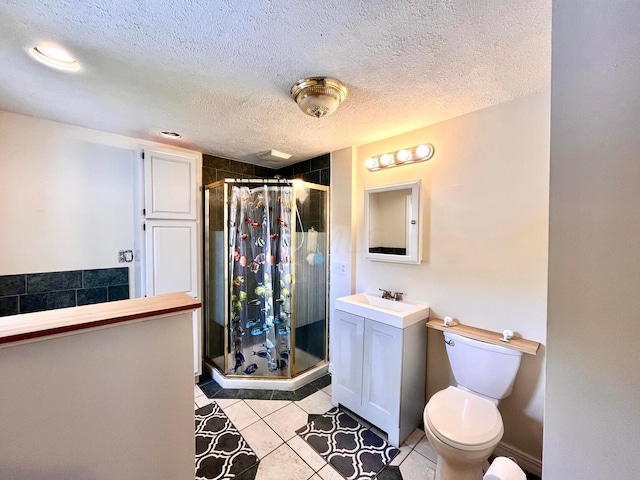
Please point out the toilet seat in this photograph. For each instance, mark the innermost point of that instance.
(464, 420)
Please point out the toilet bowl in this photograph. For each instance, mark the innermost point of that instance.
(463, 423)
(464, 429)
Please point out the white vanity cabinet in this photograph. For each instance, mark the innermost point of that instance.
(379, 372)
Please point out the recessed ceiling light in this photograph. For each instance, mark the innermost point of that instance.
(170, 134)
(54, 56)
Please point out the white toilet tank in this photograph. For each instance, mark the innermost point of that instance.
(483, 368)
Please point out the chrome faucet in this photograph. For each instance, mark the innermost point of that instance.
(386, 294)
(397, 296)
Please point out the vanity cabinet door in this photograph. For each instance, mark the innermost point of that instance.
(347, 373)
(382, 374)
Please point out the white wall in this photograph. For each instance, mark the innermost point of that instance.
(342, 238)
(67, 196)
(485, 213)
(67, 199)
(592, 421)
(110, 403)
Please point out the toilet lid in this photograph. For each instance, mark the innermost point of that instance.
(463, 419)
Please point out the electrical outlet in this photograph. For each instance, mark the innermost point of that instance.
(340, 268)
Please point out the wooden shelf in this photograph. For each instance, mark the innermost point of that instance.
(525, 346)
(41, 324)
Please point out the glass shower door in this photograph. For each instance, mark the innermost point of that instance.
(266, 277)
(310, 293)
(215, 285)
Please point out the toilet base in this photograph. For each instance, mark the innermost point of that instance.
(453, 470)
(455, 464)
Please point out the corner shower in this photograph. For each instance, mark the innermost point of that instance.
(266, 272)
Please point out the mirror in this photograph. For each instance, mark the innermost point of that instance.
(391, 222)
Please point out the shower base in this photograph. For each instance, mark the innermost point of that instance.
(285, 384)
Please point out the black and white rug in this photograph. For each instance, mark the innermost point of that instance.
(221, 452)
(353, 450)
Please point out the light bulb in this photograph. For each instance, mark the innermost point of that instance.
(403, 156)
(371, 163)
(424, 152)
(386, 160)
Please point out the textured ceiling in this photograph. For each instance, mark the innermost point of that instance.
(219, 72)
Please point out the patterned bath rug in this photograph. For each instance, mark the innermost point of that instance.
(221, 452)
(353, 450)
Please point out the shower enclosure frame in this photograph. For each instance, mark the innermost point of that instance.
(295, 184)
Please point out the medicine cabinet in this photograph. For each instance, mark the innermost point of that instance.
(391, 222)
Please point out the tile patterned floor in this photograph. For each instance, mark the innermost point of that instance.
(268, 420)
(269, 423)
(221, 451)
(350, 447)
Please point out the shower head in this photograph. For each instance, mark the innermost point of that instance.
(280, 178)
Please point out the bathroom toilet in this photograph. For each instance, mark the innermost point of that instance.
(462, 422)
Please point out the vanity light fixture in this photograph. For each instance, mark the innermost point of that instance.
(54, 56)
(405, 156)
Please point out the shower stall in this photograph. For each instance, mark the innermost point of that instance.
(266, 287)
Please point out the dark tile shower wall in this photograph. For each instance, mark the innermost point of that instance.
(35, 292)
(217, 168)
(315, 170)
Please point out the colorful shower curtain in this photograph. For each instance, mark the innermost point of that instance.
(260, 224)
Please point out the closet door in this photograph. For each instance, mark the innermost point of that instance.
(171, 260)
(172, 266)
(170, 185)
(170, 211)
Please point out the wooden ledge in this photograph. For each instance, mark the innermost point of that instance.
(525, 346)
(41, 324)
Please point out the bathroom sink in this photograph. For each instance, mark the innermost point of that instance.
(399, 314)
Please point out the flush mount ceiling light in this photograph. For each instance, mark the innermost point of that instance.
(54, 56)
(318, 96)
(170, 135)
(401, 157)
